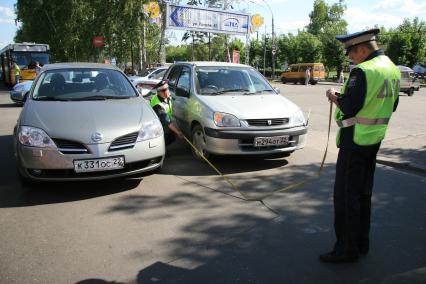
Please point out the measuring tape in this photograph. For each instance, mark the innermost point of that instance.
(291, 186)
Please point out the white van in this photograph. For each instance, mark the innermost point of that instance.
(409, 83)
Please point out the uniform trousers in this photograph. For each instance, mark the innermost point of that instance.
(352, 198)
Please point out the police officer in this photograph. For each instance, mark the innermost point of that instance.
(162, 105)
(364, 107)
(17, 72)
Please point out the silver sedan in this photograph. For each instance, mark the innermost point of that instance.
(86, 121)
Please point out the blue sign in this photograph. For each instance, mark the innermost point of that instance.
(206, 20)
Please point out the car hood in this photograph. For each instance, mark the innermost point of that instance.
(78, 121)
(252, 106)
(26, 85)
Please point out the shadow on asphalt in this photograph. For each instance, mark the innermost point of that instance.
(179, 158)
(10, 105)
(250, 248)
(13, 194)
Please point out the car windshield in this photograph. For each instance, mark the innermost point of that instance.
(83, 84)
(219, 80)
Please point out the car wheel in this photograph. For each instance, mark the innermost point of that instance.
(199, 141)
(410, 92)
(283, 80)
(314, 82)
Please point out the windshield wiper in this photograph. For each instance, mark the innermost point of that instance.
(100, 98)
(231, 90)
(50, 99)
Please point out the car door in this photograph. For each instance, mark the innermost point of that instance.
(182, 99)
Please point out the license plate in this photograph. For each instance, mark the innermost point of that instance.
(81, 166)
(271, 141)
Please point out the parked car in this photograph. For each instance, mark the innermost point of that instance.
(409, 82)
(297, 72)
(231, 109)
(146, 83)
(85, 121)
(20, 91)
(420, 69)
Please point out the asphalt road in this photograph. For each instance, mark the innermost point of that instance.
(185, 225)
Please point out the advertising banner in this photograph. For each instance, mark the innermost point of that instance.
(192, 18)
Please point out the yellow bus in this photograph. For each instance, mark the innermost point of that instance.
(297, 72)
(25, 55)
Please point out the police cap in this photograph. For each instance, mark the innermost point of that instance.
(162, 85)
(355, 39)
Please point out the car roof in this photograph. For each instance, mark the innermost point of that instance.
(405, 68)
(212, 63)
(69, 65)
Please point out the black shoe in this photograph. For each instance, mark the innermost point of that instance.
(334, 257)
(363, 250)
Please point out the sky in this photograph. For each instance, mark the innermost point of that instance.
(289, 15)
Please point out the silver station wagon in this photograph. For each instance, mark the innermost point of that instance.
(86, 121)
(230, 109)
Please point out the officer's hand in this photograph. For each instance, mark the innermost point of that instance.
(331, 94)
(180, 135)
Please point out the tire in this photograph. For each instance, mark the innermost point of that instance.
(199, 141)
(283, 80)
(410, 92)
(314, 82)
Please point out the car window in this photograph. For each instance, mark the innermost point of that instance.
(183, 83)
(81, 84)
(173, 75)
(213, 80)
(158, 74)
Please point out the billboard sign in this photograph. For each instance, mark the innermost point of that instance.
(192, 18)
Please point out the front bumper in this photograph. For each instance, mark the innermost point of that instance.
(52, 165)
(241, 142)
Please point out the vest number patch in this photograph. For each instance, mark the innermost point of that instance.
(384, 90)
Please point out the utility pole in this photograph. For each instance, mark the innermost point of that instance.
(264, 54)
(163, 9)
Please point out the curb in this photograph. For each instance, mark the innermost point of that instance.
(402, 166)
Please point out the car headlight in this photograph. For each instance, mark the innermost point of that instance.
(150, 130)
(35, 137)
(18, 88)
(226, 120)
(298, 118)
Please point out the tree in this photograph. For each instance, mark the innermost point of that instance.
(326, 22)
(406, 45)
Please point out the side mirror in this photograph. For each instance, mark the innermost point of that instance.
(277, 90)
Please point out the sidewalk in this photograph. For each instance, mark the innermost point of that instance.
(407, 153)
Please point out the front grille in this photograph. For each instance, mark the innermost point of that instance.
(70, 147)
(268, 122)
(124, 142)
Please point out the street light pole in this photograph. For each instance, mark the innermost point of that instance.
(273, 40)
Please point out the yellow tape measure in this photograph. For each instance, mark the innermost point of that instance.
(291, 186)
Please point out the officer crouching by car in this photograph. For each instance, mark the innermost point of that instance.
(162, 105)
